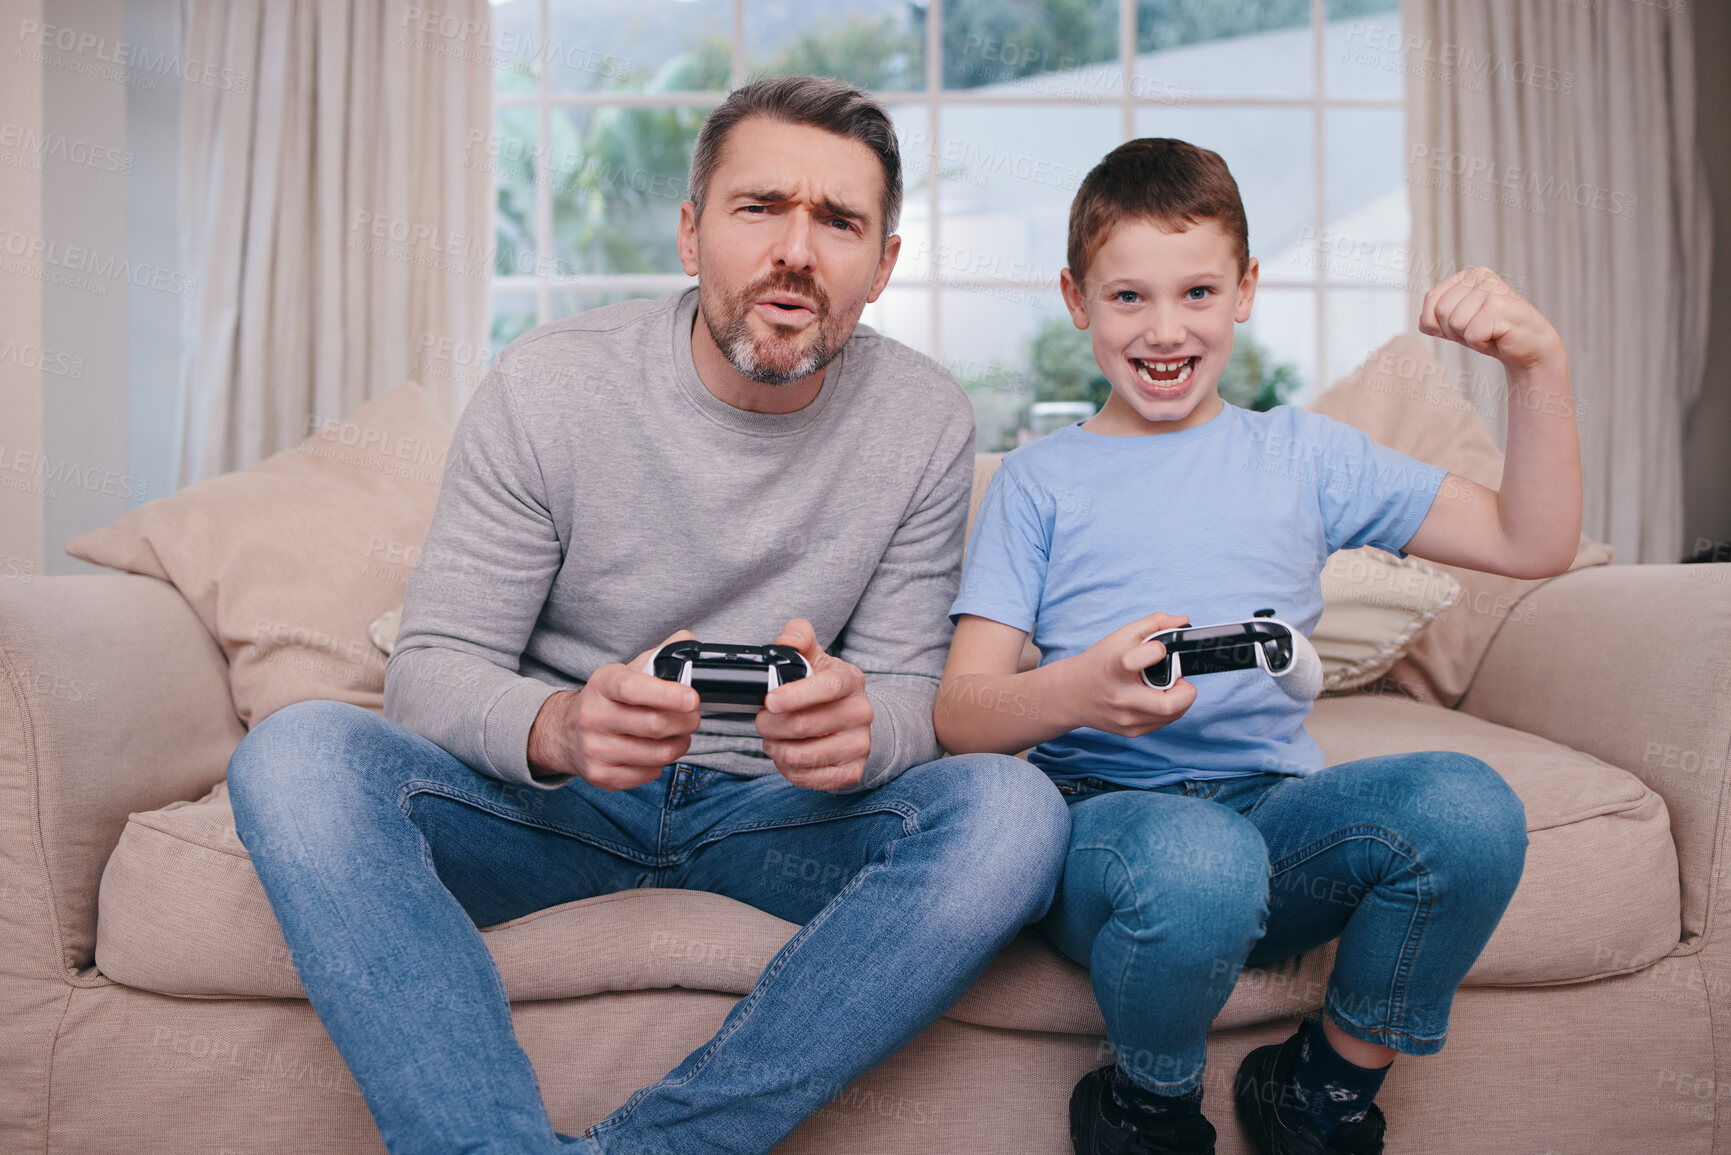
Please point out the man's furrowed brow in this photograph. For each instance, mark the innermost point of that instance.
(760, 196)
(837, 209)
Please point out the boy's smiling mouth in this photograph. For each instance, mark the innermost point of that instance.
(1164, 375)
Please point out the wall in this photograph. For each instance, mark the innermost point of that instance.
(89, 296)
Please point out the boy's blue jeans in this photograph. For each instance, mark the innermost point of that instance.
(1410, 859)
(381, 854)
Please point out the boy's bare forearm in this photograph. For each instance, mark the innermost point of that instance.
(1003, 713)
(1539, 501)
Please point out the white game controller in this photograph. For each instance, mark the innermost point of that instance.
(1263, 640)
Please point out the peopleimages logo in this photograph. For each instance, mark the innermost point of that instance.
(1426, 163)
(84, 268)
(25, 141)
(99, 50)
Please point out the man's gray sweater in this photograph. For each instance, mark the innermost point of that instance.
(598, 498)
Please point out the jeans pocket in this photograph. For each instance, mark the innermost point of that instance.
(697, 777)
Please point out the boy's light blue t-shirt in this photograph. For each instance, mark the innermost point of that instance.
(1081, 533)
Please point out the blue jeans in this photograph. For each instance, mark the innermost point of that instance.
(1167, 893)
(381, 854)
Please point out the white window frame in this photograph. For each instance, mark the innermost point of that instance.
(934, 99)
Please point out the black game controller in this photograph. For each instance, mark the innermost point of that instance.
(1263, 641)
(729, 679)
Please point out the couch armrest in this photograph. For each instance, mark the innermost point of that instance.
(1632, 664)
(113, 698)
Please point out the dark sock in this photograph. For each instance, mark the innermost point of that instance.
(1135, 1100)
(1327, 1090)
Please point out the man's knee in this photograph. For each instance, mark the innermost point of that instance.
(1005, 824)
(293, 764)
(1008, 803)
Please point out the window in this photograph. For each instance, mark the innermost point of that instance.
(1001, 107)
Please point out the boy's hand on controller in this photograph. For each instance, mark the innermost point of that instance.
(1115, 698)
(817, 730)
(620, 729)
(1478, 309)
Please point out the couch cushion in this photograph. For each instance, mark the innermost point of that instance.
(182, 912)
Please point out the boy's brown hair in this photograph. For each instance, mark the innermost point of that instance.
(1172, 183)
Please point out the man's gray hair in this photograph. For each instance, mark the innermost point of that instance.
(819, 101)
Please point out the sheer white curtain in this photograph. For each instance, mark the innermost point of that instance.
(332, 210)
(1555, 142)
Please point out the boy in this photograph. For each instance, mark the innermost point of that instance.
(1205, 832)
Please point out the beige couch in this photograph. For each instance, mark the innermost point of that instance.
(149, 1003)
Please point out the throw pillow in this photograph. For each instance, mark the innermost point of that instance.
(287, 563)
(1375, 605)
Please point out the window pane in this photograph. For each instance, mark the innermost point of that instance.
(1366, 160)
(513, 315)
(1280, 337)
(1009, 173)
(1037, 42)
(570, 302)
(511, 157)
(514, 33)
(1010, 348)
(1362, 45)
(906, 315)
(1369, 224)
(914, 139)
(1269, 153)
(1206, 48)
(876, 44)
(626, 45)
(1359, 321)
(616, 195)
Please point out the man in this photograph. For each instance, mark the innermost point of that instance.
(736, 463)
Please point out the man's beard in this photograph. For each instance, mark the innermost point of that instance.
(774, 360)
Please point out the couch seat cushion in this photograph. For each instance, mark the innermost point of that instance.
(182, 912)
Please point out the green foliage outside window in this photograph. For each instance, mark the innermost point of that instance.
(878, 55)
(995, 41)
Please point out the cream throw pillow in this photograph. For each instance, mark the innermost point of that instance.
(1375, 605)
(287, 563)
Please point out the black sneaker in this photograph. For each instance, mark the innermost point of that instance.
(1264, 1084)
(1099, 1127)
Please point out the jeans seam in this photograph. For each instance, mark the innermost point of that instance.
(439, 789)
(909, 814)
(751, 1001)
(1396, 994)
(1119, 985)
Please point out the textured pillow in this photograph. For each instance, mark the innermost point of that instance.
(288, 562)
(1402, 397)
(1375, 605)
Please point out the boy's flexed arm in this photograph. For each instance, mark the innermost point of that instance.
(984, 705)
(1530, 527)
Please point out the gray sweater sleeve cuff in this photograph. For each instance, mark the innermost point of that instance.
(891, 751)
(505, 733)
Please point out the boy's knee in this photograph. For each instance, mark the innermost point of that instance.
(1212, 863)
(1472, 816)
